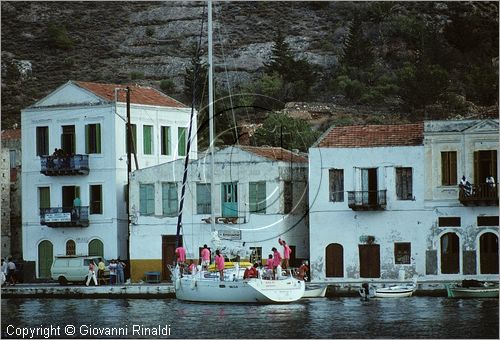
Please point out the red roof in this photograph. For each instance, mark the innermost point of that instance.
(275, 153)
(372, 136)
(138, 95)
(11, 134)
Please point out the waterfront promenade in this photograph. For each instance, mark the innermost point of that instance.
(163, 290)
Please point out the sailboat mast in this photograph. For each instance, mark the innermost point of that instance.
(211, 124)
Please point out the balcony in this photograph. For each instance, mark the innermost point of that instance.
(367, 200)
(479, 194)
(73, 165)
(64, 217)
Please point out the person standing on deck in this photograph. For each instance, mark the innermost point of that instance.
(286, 253)
(180, 252)
(205, 257)
(219, 263)
(276, 261)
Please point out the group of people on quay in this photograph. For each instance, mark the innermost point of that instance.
(8, 274)
(97, 273)
(273, 269)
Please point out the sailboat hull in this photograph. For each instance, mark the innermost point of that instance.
(241, 291)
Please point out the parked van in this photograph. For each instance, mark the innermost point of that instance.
(74, 268)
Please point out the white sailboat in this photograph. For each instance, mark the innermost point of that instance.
(206, 286)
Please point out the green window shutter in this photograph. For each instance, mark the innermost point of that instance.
(151, 199)
(261, 197)
(134, 138)
(252, 196)
(182, 141)
(87, 139)
(142, 199)
(147, 139)
(98, 138)
(165, 140)
(444, 168)
(453, 168)
(203, 204)
(44, 197)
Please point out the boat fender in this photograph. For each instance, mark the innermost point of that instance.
(193, 284)
(178, 283)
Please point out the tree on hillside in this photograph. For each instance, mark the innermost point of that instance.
(357, 50)
(201, 85)
(280, 130)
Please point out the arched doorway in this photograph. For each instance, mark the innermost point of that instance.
(450, 254)
(96, 248)
(45, 258)
(70, 247)
(334, 260)
(488, 253)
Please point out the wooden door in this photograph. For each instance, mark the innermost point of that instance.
(369, 260)
(167, 255)
(96, 248)
(334, 260)
(450, 256)
(488, 253)
(45, 258)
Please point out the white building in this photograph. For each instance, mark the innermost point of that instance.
(87, 121)
(379, 208)
(260, 196)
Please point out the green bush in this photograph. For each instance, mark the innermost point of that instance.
(167, 86)
(59, 37)
(136, 75)
(150, 31)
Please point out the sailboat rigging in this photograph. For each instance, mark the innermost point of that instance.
(205, 285)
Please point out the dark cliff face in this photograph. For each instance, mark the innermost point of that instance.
(44, 44)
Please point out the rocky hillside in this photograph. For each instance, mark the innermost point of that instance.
(44, 44)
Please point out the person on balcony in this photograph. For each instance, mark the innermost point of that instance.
(76, 207)
(465, 186)
(490, 182)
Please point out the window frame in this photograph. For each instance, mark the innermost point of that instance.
(257, 191)
(405, 254)
(148, 146)
(149, 201)
(171, 196)
(449, 168)
(201, 206)
(181, 143)
(42, 141)
(336, 178)
(165, 136)
(404, 183)
(93, 138)
(92, 202)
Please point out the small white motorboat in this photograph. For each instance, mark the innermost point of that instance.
(315, 290)
(395, 291)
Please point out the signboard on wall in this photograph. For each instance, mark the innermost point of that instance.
(229, 234)
(58, 217)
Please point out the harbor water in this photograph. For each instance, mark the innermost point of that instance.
(346, 317)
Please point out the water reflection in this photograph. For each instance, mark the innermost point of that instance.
(417, 317)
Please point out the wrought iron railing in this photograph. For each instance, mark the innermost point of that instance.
(367, 200)
(65, 217)
(64, 165)
(479, 194)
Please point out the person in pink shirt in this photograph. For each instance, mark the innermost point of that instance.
(205, 257)
(270, 266)
(286, 253)
(276, 260)
(219, 263)
(180, 252)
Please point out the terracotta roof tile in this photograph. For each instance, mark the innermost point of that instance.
(373, 136)
(11, 134)
(139, 94)
(275, 153)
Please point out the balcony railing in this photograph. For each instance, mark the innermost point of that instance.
(367, 200)
(479, 194)
(65, 217)
(64, 165)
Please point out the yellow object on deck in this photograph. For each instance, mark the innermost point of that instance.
(228, 265)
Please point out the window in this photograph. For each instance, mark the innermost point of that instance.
(93, 138)
(287, 197)
(487, 221)
(485, 164)
(257, 197)
(169, 198)
(449, 168)
(336, 185)
(133, 127)
(44, 197)
(70, 248)
(165, 140)
(147, 137)
(42, 140)
(203, 198)
(12, 158)
(450, 250)
(181, 134)
(404, 183)
(402, 252)
(449, 221)
(147, 199)
(95, 199)
(68, 139)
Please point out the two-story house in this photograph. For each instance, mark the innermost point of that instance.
(366, 203)
(75, 165)
(260, 195)
(463, 242)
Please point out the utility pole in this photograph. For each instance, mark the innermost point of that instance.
(129, 170)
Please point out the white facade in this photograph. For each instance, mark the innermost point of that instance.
(411, 224)
(250, 229)
(74, 105)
